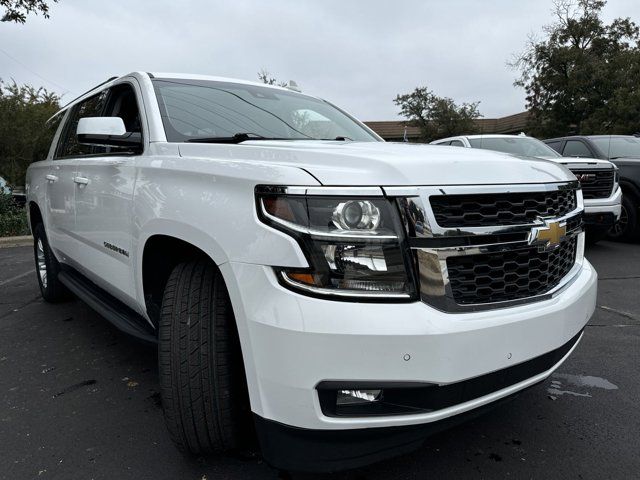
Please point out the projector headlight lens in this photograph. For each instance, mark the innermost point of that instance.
(356, 215)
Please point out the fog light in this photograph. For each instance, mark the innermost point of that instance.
(358, 397)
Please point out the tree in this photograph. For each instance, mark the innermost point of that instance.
(17, 10)
(265, 77)
(437, 117)
(24, 111)
(582, 76)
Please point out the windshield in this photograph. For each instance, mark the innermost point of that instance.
(527, 146)
(195, 110)
(614, 147)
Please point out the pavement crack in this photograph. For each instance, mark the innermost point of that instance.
(621, 313)
(75, 386)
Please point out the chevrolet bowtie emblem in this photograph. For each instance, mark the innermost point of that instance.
(549, 235)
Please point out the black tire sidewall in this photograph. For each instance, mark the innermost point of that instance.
(54, 291)
(632, 231)
(217, 415)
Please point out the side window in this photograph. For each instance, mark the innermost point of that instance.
(122, 103)
(68, 145)
(456, 143)
(576, 148)
(557, 145)
(43, 142)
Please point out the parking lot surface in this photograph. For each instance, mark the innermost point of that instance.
(79, 400)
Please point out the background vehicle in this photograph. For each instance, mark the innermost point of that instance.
(346, 295)
(624, 152)
(18, 195)
(4, 187)
(598, 178)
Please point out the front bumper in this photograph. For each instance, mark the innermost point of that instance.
(292, 448)
(611, 205)
(291, 343)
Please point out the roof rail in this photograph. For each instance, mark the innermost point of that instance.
(90, 90)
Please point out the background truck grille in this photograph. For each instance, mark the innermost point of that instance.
(598, 184)
(496, 209)
(503, 276)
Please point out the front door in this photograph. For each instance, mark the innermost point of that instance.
(104, 200)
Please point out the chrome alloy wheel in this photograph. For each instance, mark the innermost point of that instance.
(42, 264)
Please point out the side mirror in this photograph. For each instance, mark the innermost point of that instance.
(107, 132)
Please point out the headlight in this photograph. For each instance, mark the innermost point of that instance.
(354, 245)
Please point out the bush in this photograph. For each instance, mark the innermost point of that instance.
(24, 136)
(13, 220)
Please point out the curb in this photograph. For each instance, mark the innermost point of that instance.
(23, 241)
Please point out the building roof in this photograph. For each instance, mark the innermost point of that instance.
(393, 129)
(510, 124)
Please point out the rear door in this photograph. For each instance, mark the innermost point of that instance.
(61, 181)
(104, 201)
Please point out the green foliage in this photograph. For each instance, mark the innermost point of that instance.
(13, 220)
(437, 117)
(17, 10)
(24, 111)
(582, 78)
(265, 77)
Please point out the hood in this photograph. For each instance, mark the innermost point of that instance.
(379, 163)
(626, 161)
(580, 162)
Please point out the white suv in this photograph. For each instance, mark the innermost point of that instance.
(598, 178)
(342, 295)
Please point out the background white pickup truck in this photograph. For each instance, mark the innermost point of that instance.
(342, 295)
(598, 178)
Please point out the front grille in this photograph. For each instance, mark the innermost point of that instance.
(497, 209)
(511, 275)
(595, 183)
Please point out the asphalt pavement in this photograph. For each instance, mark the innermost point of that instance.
(79, 400)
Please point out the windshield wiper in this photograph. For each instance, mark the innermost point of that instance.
(244, 136)
(236, 138)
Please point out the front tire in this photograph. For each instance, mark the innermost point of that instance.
(202, 378)
(627, 229)
(47, 268)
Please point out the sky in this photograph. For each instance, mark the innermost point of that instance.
(356, 54)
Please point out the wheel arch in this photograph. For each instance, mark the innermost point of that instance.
(630, 188)
(162, 245)
(180, 238)
(35, 215)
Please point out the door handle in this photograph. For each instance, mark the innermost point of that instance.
(51, 178)
(114, 162)
(81, 180)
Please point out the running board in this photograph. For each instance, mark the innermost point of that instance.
(120, 315)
